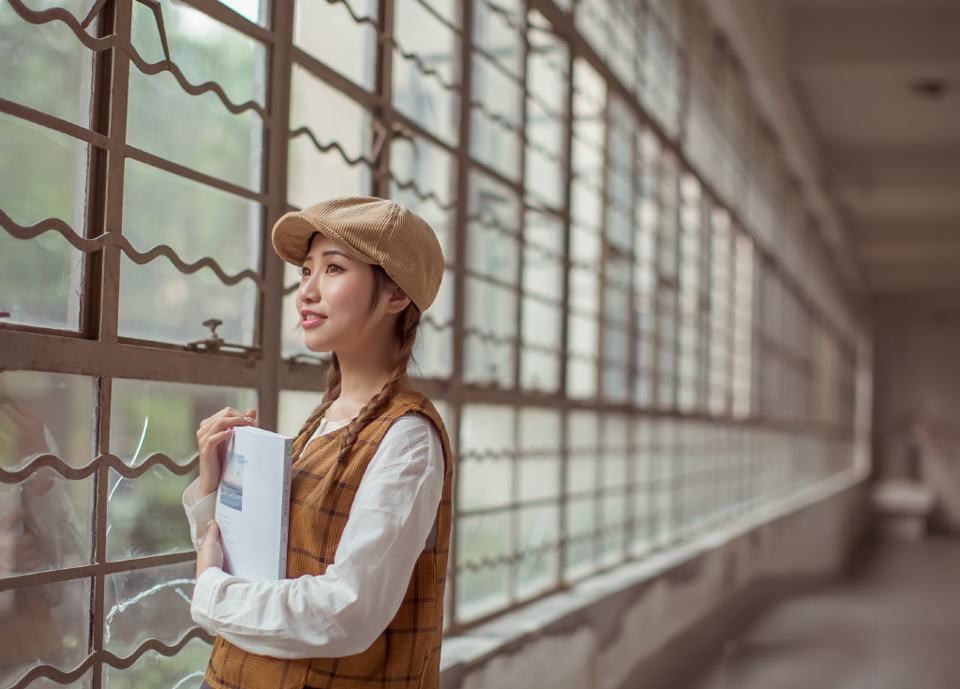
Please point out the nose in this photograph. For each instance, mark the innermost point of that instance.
(309, 291)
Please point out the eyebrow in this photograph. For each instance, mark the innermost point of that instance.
(328, 252)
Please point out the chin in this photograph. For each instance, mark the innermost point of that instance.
(318, 348)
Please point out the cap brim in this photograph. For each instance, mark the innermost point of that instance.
(291, 239)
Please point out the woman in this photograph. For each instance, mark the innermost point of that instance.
(362, 604)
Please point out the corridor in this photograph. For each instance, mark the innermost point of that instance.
(895, 624)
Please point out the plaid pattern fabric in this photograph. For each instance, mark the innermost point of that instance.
(407, 653)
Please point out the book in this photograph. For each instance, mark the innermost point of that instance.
(253, 504)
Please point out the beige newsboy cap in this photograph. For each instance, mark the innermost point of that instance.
(375, 231)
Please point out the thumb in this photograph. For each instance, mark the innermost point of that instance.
(252, 412)
(213, 529)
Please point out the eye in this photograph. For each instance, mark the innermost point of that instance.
(334, 268)
(304, 272)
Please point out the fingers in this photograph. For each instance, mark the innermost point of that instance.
(211, 430)
(211, 554)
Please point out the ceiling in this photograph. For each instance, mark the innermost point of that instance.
(868, 92)
(878, 84)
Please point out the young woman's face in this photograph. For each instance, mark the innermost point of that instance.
(334, 298)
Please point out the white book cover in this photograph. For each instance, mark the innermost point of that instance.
(253, 504)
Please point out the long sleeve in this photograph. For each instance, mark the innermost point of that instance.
(200, 510)
(343, 611)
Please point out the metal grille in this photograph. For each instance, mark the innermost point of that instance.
(621, 357)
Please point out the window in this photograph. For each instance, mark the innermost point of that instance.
(622, 349)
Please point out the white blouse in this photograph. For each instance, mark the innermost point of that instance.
(343, 611)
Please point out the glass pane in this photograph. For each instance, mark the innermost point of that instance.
(582, 362)
(45, 67)
(295, 409)
(433, 352)
(546, 85)
(582, 451)
(578, 553)
(493, 235)
(539, 529)
(423, 83)
(328, 32)
(198, 131)
(150, 416)
(185, 670)
(486, 454)
(496, 32)
(539, 466)
(543, 256)
(611, 543)
(148, 604)
(481, 582)
(495, 121)
(45, 413)
(145, 514)
(615, 441)
(424, 179)
(254, 10)
(540, 346)
(157, 301)
(491, 332)
(42, 175)
(43, 625)
(332, 118)
(45, 523)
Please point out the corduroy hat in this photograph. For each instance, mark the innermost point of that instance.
(375, 231)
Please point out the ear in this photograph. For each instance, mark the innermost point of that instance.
(397, 300)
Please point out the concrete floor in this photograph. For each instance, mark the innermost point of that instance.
(895, 624)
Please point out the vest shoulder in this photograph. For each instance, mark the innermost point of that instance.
(406, 402)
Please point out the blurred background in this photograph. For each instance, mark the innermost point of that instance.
(697, 347)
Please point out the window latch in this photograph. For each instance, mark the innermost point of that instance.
(211, 344)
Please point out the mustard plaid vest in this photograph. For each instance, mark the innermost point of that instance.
(407, 653)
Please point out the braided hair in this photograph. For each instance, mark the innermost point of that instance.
(405, 335)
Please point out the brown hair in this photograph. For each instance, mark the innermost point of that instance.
(405, 335)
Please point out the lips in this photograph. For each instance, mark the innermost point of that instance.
(310, 320)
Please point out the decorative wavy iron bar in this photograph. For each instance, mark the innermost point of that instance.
(365, 19)
(533, 453)
(542, 349)
(508, 17)
(333, 145)
(490, 338)
(70, 676)
(488, 562)
(114, 239)
(104, 460)
(435, 324)
(423, 68)
(38, 17)
(491, 223)
(495, 117)
(412, 187)
(436, 15)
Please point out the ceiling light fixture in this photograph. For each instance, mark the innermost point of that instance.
(930, 88)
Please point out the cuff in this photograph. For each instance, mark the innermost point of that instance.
(203, 594)
(199, 510)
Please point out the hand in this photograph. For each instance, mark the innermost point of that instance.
(210, 437)
(211, 553)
